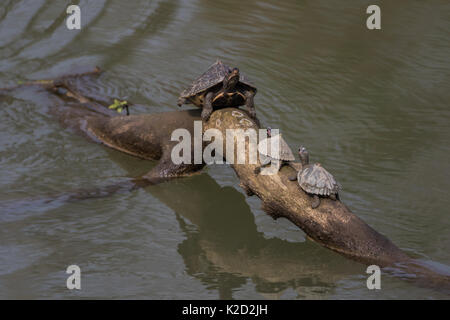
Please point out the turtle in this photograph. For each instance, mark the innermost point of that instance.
(284, 156)
(315, 180)
(219, 87)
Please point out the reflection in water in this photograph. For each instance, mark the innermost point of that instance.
(224, 249)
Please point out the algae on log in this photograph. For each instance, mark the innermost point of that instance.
(332, 224)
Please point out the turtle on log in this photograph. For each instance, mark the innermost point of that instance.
(284, 156)
(315, 180)
(220, 87)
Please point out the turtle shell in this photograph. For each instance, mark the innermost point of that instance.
(285, 153)
(315, 179)
(213, 76)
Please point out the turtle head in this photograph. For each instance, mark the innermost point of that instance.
(181, 101)
(231, 79)
(304, 155)
(269, 132)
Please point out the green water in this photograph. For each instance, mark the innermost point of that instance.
(371, 106)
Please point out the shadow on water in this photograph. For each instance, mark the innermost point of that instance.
(224, 249)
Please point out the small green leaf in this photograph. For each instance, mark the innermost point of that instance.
(118, 105)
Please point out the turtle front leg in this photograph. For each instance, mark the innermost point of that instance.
(264, 163)
(334, 196)
(290, 164)
(250, 105)
(315, 201)
(207, 106)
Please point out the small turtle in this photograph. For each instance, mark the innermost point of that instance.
(315, 180)
(220, 86)
(284, 156)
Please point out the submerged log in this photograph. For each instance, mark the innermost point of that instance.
(52, 84)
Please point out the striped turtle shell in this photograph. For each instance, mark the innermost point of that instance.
(213, 76)
(285, 153)
(315, 179)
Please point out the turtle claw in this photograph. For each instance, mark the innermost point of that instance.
(252, 114)
(315, 202)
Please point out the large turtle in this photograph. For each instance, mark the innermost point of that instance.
(220, 86)
(284, 156)
(315, 180)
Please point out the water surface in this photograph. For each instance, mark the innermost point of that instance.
(371, 106)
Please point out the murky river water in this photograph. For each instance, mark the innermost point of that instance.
(371, 106)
